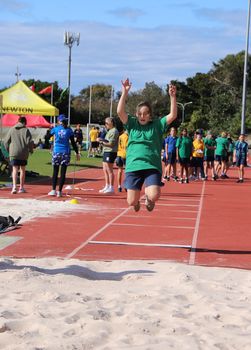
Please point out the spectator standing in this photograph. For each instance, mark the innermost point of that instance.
(93, 142)
(184, 152)
(240, 156)
(121, 157)
(78, 137)
(170, 155)
(222, 145)
(19, 144)
(110, 148)
(198, 155)
(230, 152)
(210, 146)
(61, 153)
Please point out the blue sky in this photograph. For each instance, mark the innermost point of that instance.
(146, 40)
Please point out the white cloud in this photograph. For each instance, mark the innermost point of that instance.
(13, 6)
(128, 13)
(107, 54)
(221, 16)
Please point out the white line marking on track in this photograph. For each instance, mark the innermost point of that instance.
(82, 245)
(163, 226)
(184, 211)
(177, 205)
(179, 199)
(180, 218)
(197, 226)
(142, 244)
(168, 217)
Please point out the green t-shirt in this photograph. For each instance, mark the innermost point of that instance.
(112, 136)
(231, 146)
(144, 144)
(209, 143)
(221, 146)
(184, 146)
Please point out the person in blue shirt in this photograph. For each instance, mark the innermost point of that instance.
(61, 153)
(240, 156)
(170, 155)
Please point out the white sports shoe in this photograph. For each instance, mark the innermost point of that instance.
(103, 189)
(109, 190)
(21, 190)
(52, 193)
(59, 194)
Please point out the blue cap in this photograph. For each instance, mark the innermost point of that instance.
(62, 117)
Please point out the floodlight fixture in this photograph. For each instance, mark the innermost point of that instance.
(183, 106)
(69, 40)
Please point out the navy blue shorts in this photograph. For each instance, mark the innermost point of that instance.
(109, 157)
(184, 161)
(220, 158)
(241, 161)
(120, 162)
(171, 159)
(18, 162)
(61, 159)
(134, 180)
(209, 158)
(94, 144)
(196, 162)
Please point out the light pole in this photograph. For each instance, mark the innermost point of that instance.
(69, 40)
(111, 102)
(183, 106)
(17, 74)
(244, 91)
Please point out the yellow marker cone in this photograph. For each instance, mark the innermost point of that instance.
(74, 201)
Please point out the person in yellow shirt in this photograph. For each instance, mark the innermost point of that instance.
(121, 157)
(93, 134)
(198, 155)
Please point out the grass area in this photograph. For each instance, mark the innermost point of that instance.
(40, 162)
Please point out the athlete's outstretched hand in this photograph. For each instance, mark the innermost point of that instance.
(172, 90)
(126, 85)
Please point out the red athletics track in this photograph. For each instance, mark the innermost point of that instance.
(203, 223)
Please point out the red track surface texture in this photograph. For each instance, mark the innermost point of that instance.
(203, 223)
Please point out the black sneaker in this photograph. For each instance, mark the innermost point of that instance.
(186, 180)
(214, 178)
(149, 204)
(120, 189)
(137, 207)
(239, 181)
(176, 178)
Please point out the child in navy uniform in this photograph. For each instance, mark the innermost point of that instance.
(240, 156)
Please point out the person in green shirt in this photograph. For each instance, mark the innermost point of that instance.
(222, 144)
(210, 146)
(230, 153)
(143, 157)
(184, 147)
